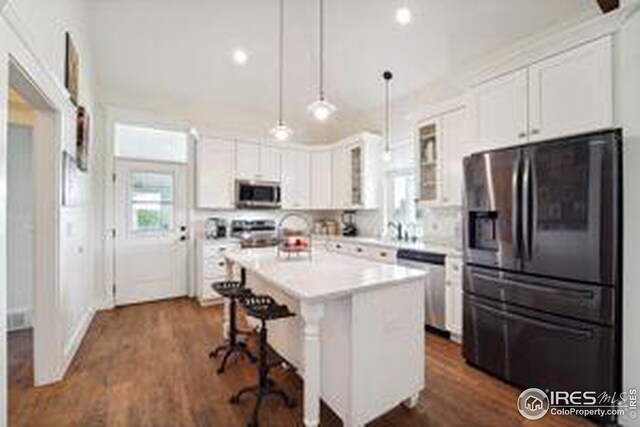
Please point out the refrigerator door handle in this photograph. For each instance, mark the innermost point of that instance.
(527, 208)
(516, 206)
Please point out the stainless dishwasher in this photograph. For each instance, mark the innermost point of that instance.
(434, 302)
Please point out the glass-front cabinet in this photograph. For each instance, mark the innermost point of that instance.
(355, 158)
(440, 149)
(428, 152)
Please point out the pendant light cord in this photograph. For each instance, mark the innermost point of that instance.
(387, 76)
(281, 65)
(321, 48)
(386, 114)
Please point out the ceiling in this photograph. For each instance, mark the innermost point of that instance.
(174, 56)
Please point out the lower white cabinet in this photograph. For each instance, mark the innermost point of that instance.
(453, 296)
(372, 252)
(212, 267)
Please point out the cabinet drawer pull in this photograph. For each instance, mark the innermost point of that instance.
(358, 249)
(383, 254)
(221, 264)
(338, 246)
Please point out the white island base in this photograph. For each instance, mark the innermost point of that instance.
(361, 351)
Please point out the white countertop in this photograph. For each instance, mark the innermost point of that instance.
(326, 275)
(386, 243)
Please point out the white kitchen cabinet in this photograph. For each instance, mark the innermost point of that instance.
(269, 163)
(500, 107)
(453, 296)
(247, 160)
(564, 94)
(321, 182)
(340, 179)
(257, 162)
(440, 150)
(212, 267)
(454, 135)
(572, 92)
(215, 174)
(296, 179)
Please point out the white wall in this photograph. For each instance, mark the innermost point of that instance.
(20, 220)
(33, 33)
(628, 105)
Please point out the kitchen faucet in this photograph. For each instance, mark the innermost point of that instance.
(397, 225)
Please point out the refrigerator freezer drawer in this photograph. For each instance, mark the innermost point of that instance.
(533, 349)
(568, 299)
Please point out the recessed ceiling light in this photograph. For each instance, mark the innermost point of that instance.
(403, 15)
(240, 56)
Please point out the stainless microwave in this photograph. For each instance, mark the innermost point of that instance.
(257, 194)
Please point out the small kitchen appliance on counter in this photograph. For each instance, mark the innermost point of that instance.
(215, 228)
(255, 233)
(349, 228)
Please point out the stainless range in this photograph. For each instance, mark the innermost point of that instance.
(255, 233)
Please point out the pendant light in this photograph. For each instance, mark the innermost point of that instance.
(321, 109)
(387, 76)
(281, 132)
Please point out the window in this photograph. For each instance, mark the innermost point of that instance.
(401, 185)
(151, 202)
(134, 142)
(401, 194)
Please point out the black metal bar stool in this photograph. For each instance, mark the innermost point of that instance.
(264, 308)
(232, 290)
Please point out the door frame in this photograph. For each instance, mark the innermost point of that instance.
(186, 218)
(48, 339)
(112, 115)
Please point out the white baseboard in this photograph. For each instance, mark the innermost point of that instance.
(74, 343)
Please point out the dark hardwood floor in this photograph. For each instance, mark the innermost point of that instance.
(147, 365)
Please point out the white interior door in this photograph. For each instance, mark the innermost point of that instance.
(151, 234)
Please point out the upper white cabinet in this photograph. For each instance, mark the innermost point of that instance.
(247, 160)
(321, 182)
(501, 111)
(440, 148)
(356, 173)
(215, 174)
(296, 179)
(569, 93)
(572, 92)
(340, 179)
(269, 163)
(454, 138)
(257, 161)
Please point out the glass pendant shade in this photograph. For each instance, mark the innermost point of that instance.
(322, 109)
(281, 132)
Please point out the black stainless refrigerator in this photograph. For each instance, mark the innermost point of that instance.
(542, 281)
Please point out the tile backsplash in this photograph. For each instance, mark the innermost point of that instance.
(442, 225)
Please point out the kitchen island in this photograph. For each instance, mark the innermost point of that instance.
(358, 337)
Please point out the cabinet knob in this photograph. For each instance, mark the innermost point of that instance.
(522, 135)
(535, 131)
(359, 249)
